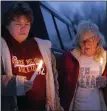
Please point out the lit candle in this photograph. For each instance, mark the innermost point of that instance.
(37, 70)
(101, 63)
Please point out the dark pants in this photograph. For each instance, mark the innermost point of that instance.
(25, 105)
(8, 103)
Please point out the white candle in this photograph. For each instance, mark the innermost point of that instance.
(101, 63)
(37, 70)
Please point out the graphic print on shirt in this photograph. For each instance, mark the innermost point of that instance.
(27, 65)
(87, 77)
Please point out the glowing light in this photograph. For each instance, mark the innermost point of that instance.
(101, 61)
(40, 65)
(37, 70)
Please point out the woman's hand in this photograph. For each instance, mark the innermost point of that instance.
(101, 81)
(27, 85)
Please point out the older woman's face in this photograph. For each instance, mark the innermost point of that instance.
(89, 43)
(19, 28)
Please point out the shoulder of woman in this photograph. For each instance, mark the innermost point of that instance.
(43, 42)
(76, 53)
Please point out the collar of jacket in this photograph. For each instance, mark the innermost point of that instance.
(76, 53)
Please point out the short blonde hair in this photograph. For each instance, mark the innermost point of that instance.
(86, 26)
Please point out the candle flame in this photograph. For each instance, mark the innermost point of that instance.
(101, 60)
(40, 65)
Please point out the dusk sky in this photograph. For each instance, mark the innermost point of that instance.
(79, 7)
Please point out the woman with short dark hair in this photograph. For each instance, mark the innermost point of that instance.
(21, 54)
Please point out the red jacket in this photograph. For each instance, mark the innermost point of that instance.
(68, 76)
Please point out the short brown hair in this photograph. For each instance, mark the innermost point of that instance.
(18, 9)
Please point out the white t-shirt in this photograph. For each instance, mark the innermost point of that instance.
(87, 95)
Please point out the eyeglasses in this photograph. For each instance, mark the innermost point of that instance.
(89, 41)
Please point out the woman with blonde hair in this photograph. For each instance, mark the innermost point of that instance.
(84, 75)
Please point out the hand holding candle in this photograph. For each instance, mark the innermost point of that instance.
(100, 80)
(36, 72)
(101, 63)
